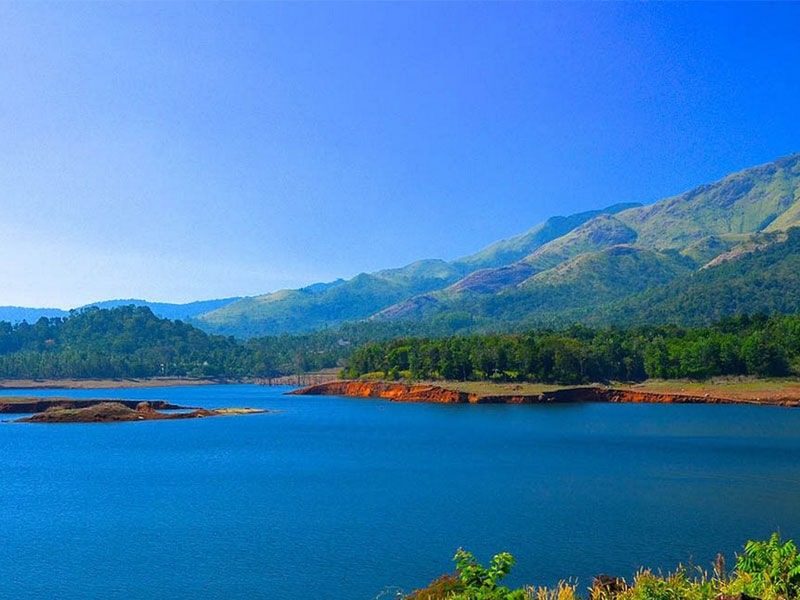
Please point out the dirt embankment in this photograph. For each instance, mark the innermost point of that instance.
(115, 412)
(404, 392)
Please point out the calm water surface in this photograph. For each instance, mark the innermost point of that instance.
(339, 499)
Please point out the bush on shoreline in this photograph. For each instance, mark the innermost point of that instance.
(766, 570)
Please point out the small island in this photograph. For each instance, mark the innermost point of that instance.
(117, 412)
(37, 404)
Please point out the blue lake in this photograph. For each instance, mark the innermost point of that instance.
(342, 499)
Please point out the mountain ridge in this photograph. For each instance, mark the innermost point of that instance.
(294, 311)
(701, 224)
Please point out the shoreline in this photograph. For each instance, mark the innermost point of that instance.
(439, 394)
(109, 384)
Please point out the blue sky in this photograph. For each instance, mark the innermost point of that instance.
(182, 151)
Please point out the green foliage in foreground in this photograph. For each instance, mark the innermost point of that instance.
(767, 570)
(773, 566)
(757, 345)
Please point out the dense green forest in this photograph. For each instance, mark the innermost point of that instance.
(130, 341)
(765, 279)
(747, 345)
(122, 342)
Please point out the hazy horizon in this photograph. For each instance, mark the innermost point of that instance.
(179, 152)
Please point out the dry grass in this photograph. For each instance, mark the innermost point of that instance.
(488, 388)
(739, 388)
(238, 411)
(735, 388)
(563, 591)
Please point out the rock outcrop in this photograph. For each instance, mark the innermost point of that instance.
(24, 405)
(115, 412)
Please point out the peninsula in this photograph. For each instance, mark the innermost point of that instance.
(786, 394)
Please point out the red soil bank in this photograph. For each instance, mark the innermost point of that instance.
(404, 392)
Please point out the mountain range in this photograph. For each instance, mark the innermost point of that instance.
(719, 249)
(589, 266)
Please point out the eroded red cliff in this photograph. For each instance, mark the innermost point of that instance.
(405, 392)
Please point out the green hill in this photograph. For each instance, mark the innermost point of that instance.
(667, 239)
(320, 305)
(165, 310)
(762, 198)
(596, 234)
(127, 341)
(761, 277)
(513, 249)
(317, 307)
(590, 280)
(168, 310)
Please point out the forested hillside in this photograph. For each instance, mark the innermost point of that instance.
(121, 342)
(762, 278)
(757, 346)
(130, 341)
(624, 286)
(563, 274)
(721, 250)
(166, 310)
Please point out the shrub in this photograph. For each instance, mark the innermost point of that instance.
(773, 568)
(768, 570)
(445, 586)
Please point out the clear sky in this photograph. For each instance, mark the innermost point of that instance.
(184, 151)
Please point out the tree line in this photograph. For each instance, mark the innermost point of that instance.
(756, 345)
(131, 341)
(121, 342)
